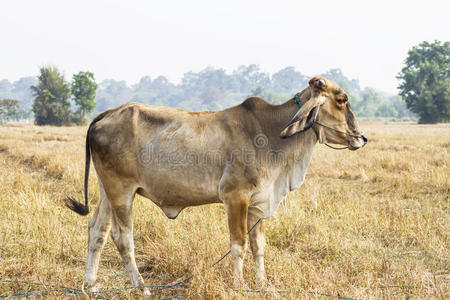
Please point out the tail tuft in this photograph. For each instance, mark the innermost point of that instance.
(76, 206)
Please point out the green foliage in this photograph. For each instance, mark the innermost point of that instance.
(400, 107)
(385, 110)
(258, 92)
(6, 89)
(83, 91)
(368, 105)
(9, 109)
(21, 91)
(52, 103)
(271, 97)
(425, 81)
(288, 80)
(112, 93)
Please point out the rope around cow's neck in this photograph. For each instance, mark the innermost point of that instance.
(336, 148)
(298, 102)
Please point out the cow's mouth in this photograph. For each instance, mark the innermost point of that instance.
(355, 144)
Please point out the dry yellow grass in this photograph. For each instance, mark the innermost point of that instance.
(375, 217)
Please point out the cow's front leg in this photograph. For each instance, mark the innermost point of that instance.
(237, 222)
(257, 244)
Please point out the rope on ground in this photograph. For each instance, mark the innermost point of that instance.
(294, 291)
(69, 290)
(65, 290)
(159, 287)
(322, 294)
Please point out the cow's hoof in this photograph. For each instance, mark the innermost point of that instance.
(269, 287)
(261, 282)
(240, 285)
(146, 292)
(90, 287)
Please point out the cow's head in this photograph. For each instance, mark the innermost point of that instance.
(325, 107)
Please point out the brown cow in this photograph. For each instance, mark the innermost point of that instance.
(245, 157)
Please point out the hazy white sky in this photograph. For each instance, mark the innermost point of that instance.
(129, 39)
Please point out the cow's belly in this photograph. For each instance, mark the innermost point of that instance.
(171, 198)
(176, 189)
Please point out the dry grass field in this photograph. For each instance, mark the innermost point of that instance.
(369, 224)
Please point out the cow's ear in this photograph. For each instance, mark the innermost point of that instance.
(304, 118)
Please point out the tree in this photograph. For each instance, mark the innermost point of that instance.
(425, 81)
(288, 80)
(21, 91)
(5, 89)
(367, 106)
(249, 77)
(143, 91)
(51, 105)
(258, 92)
(385, 110)
(210, 98)
(112, 93)
(9, 109)
(83, 91)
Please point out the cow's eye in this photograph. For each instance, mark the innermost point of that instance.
(341, 101)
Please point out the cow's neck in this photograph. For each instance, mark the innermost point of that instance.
(295, 151)
(273, 121)
(299, 149)
(288, 173)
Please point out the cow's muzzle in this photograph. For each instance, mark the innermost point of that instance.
(357, 143)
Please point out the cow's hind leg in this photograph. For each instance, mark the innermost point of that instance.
(237, 222)
(257, 244)
(99, 227)
(122, 235)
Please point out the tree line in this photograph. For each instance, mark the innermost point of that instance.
(424, 90)
(214, 89)
(49, 98)
(209, 89)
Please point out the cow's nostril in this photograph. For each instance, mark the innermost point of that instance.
(364, 139)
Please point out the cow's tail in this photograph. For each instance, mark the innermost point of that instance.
(70, 202)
